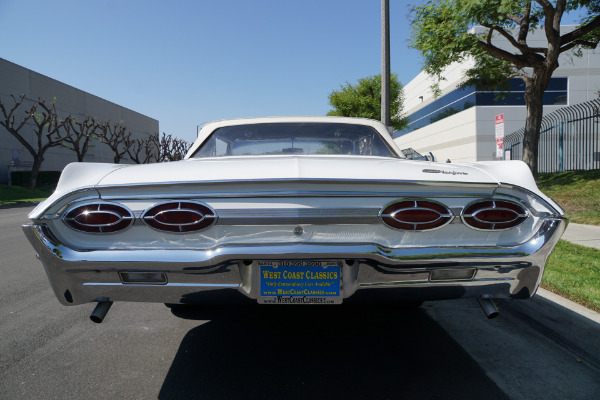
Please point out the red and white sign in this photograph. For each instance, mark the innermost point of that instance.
(500, 136)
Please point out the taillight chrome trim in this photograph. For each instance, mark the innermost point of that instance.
(471, 219)
(388, 215)
(126, 218)
(207, 216)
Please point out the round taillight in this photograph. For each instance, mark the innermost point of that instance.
(493, 215)
(415, 215)
(99, 218)
(179, 216)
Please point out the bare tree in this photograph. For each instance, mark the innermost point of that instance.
(144, 150)
(79, 135)
(47, 130)
(183, 148)
(8, 119)
(117, 137)
(180, 149)
(171, 149)
(165, 142)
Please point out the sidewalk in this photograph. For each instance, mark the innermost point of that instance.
(585, 235)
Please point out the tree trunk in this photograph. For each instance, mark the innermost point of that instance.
(533, 123)
(35, 170)
(534, 94)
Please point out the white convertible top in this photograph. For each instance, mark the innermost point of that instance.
(209, 128)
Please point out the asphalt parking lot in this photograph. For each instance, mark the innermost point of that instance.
(443, 350)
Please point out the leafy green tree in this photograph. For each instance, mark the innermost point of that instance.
(364, 100)
(441, 31)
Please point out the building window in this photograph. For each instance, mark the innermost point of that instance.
(464, 98)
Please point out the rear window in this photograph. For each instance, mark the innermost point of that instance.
(295, 139)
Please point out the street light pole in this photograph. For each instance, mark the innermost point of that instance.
(385, 63)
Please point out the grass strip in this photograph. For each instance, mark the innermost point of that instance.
(18, 194)
(573, 271)
(578, 192)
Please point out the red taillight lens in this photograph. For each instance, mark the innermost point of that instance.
(179, 216)
(99, 218)
(415, 215)
(494, 215)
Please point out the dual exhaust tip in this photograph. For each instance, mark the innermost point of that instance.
(100, 311)
(488, 306)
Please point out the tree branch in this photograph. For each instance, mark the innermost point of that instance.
(506, 35)
(519, 75)
(583, 43)
(115, 137)
(524, 25)
(8, 121)
(496, 52)
(522, 47)
(581, 31)
(143, 146)
(558, 13)
(81, 131)
(514, 18)
(544, 3)
(549, 19)
(51, 123)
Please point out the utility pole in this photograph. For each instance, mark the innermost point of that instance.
(385, 63)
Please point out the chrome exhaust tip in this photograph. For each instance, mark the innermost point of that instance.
(100, 311)
(489, 308)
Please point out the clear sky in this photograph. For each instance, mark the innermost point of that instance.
(188, 62)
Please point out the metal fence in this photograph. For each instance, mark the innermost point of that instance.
(569, 139)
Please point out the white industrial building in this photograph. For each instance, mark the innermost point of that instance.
(459, 125)
(17, 80)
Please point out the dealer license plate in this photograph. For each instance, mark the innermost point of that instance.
(300, 282)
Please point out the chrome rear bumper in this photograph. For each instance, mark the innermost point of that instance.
(205, 275)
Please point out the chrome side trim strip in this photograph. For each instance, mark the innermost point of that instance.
(301, 181)
(427, 282)
(191, 285)
(294, 193)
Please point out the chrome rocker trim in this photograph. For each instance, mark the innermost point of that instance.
(79, 277)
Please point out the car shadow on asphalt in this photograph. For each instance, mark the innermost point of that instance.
(565, 327)
(357, 352)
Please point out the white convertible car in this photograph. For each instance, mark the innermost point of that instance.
(307, 210)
